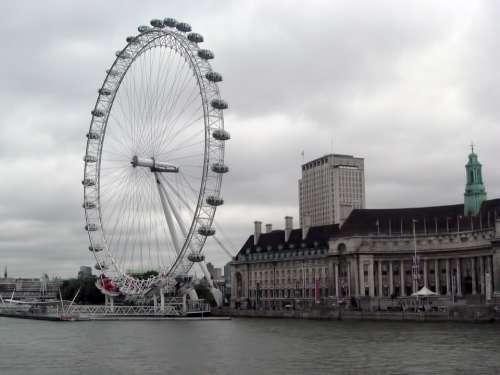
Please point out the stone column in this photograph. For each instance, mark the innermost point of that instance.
(402, 278)
(349, 293)
(337, 289)
(489, 282)
(481, 276)
(371, 278)
(473, 274)
(437, 275)
(355, 269)
(425, 273)
(361, 276)
(448, 284)
(380, 291)
(391, 279)
(459, 278)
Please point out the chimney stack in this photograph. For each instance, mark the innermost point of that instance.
(497, 226)
(305, 226)
(269, 228)
(288, 227)
(257, 231)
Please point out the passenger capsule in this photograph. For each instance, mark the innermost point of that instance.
(94, 135)
(213, 77)
(170, 22)
(195, 37)
(219, 168)
(88, 182)
(219, 104)
(104, 91)
(100, 267)
(143, 28)
(132, 40)
(206, 54)
(213, 200)
(113, 73)
(221, 135)
(91, 227)
(157, 23)
(122, 55)
(89, 205)
(89, 159)
(205, 230)
(98, 112)
(183, 26)
(195, 258)
(96, 248)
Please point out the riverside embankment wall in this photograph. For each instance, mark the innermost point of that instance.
(454, 313)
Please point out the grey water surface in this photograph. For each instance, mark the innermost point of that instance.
(246, 346)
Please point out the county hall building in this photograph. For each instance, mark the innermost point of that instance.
(370, 255)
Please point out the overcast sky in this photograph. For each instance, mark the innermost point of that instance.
(407, 85)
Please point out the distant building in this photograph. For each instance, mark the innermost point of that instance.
(330, 188)
(85, 272)
(369, 258)
(29, 289)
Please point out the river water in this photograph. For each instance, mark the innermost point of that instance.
(246, 346)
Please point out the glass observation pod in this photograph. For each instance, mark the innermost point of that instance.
(96, 248)
(206, 54)
(143, 28)
(132, 40)
(195, 37)
(221, 135)
(100, 267)
(89, 159)
(214, 77)
(195, 258)
(212, 200)
(88, 182)
(89, 205)
(205, 230)
(122, 55)
(183, 27)
(96, 136)
(113, 73)
(219, 168)
(104, 91)
(219, 104)
(98, 113)
(157, 23)
(91, 227)
(170, 22)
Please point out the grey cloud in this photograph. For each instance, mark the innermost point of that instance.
(406, 85)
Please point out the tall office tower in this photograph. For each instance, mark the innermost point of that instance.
(330, 188)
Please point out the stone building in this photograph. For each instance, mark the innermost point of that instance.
(370, 258)
(330, 188)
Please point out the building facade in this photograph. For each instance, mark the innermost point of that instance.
(376, 257)
(330, 188)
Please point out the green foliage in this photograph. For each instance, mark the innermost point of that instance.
(89, 294)
(204, 293)
(144, 275)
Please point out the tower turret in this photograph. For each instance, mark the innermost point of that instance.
(475, 194)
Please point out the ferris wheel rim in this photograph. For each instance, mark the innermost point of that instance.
(120, 275)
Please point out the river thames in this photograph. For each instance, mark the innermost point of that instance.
(246, 346)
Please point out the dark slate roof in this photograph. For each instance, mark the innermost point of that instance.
(385, 221)
(316, 237)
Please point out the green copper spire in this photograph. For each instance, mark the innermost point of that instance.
(475, 194)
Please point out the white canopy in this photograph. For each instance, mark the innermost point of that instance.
(425, 292)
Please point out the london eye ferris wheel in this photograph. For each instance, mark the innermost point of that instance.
(154, 159)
